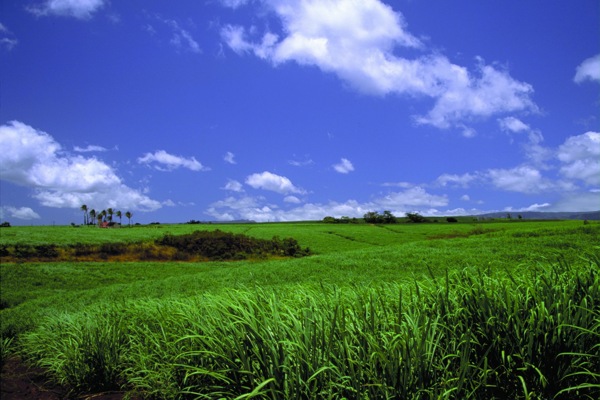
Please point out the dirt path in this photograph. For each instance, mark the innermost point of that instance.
(20, 382)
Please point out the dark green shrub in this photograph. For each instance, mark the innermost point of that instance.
(23, 251)
(46, 251)
(113, 249)
(219, 245)
(82, 249)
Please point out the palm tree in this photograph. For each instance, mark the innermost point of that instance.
(92, 216)
(128, 214)
(110, 214)
(85, 214)
(101, 216)
(120, 215)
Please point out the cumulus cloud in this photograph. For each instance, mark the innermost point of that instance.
(344, 166)
(233, 208)
(163, 161)
(258, 209)
(275, 183)
(33, 159)
(24, 213)
(234, 186)
(358, 41)
(525, 179)
(580, 157)
(81, 9)
(586, 201)
(410, 198)
(522, 179)
(588, 70)
(464, 96)
(512, 124)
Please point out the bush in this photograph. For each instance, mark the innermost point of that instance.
(219, 245)
(46, 251)
(451, 219)
(113, 249)
(23, 251)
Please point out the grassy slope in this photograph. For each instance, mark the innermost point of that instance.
(345, 255)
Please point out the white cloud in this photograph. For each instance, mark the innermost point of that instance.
(232, 208)
(234, 3)
(580, 156)
(534, 151)
(81, 9)
(234, 186)
(7, 39)
(257, 209)
(408, 199)
(465, 197)
(229, 158)
(276, 183)
(513, 124)
(356, 40)
(182, 39)
(114, 196)
(525, 179)
(24, 213)
(589, 69)
(344, 166)
(403, 185)
(463, 96)
(179, 37)
(456, 180)
(292, 199)
(163, 161)
(33, 159)
(89, 149)
(301, 163)
(586, 201)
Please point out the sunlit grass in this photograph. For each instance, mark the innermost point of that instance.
(467, 335)
(153, 327)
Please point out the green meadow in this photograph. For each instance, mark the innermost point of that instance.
(504, 309)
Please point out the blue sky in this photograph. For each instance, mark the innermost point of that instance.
(280, 110)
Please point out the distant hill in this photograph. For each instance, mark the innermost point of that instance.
(589, 215)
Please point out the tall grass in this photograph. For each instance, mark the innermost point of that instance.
(469, 334)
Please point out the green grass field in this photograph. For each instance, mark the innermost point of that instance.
(437, 310)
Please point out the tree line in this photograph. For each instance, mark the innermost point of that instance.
(374, 217)
(93, 217)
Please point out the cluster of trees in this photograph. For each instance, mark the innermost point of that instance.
(373, 217)
(93, 217)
